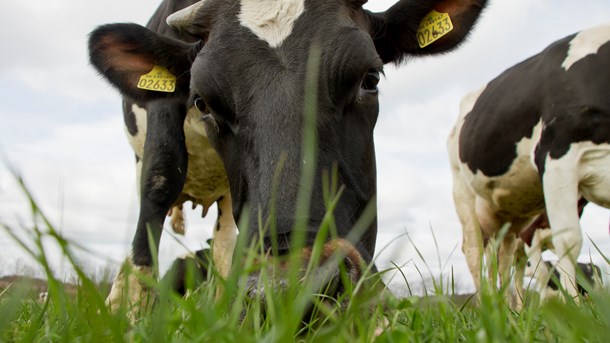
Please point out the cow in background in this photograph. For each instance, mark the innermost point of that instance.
(245, 79)
(536, 138)
(547, 275)
(202, 180)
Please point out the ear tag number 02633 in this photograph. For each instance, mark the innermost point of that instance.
(159, 79)
(434, 26)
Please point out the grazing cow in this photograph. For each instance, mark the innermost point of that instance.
(535, 139)
(204, 183)
(246, 76)
(188, 272)
(591, 274)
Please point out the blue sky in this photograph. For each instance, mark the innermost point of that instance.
(61, 127)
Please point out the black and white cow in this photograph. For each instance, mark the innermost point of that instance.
(542, 270)
(535, 139)
(202, 180)
(245, 75)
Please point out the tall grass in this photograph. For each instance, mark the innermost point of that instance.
(364, 313)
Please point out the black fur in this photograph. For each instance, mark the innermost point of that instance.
(164, 167)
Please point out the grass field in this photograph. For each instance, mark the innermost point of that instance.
(68, 316)
(366, 312)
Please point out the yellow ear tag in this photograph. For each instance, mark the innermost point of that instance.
(159, 79)
(432, 27)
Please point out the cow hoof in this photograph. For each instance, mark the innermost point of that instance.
(130, 293)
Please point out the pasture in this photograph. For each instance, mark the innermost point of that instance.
(366, 313)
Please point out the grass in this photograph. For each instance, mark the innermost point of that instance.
(365, 313)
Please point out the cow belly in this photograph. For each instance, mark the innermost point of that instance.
(594, 174)
(515, 197)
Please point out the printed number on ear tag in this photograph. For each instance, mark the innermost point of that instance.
(159, 79)
(432, 27)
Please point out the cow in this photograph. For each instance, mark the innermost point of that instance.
(204, 183)
(591, 276)
(547, 275)
(534, 141)
(189, 272)
(243, 80)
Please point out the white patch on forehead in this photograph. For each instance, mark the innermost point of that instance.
(271, 20)
(586, 42)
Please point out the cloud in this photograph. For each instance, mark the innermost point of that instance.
(45, 46)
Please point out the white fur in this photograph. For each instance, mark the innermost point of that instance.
(137, 141)
(586, 42)
(129, 281)
(464, 197)
(584, 170)
(536, 267)
(271, 20)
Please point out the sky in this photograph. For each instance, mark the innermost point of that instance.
(61, 129)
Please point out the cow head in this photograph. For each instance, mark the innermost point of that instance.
(248, 76)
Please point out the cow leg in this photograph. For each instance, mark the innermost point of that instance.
(520, 262)
(560, 187)
(536, 266)
(163, 174)
(472, 241)
(506, 259)
(225, 236)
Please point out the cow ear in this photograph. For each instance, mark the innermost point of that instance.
(142, 64)
(415, 27)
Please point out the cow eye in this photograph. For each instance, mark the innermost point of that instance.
(206, 114)
(370, 81)
(201, 106)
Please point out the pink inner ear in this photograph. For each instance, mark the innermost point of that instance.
(121, 57)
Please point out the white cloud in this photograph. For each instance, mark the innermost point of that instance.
(45, 43)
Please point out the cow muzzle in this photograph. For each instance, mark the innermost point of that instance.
(330, 271)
